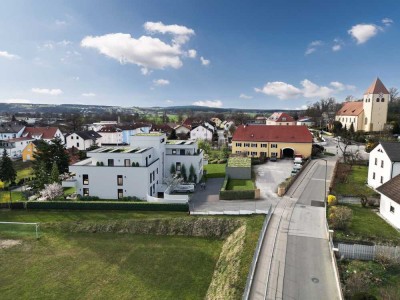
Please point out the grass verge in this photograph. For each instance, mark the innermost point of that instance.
(355, 182)
(215, 170)
(240, 185)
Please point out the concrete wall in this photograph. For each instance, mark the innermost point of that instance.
(238, 172)
(392, 217)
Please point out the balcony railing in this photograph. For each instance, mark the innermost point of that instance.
(188, 153)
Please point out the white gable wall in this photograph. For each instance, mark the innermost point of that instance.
(393, 217)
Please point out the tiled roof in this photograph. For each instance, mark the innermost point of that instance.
(391, 189)
(133, 126)
(20, 139)
(46, 133)
(109, 129)
(10, 127)
(392, 149)
(88, 135)
(377, 87)
(350, 109)
(279, 116)
(273, 133)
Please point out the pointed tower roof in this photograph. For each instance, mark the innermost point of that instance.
(376, 87)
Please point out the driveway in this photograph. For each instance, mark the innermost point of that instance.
(268, 176)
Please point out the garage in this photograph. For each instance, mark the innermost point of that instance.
(287, 153)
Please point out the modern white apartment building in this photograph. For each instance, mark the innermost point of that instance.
(137, 170)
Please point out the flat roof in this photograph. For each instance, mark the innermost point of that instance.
(120, 150)
(239, 162)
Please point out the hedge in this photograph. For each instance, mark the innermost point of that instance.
(234, 195)
(85, 205)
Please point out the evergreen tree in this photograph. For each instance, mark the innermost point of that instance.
(41, 176)
(173, 135)
(396, 128)
(54, 175)
(184, 173)
(7, 171)
(172, 170)
(351, 129)
(192, 174)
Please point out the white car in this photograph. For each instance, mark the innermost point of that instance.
(189, 188)
(297, 166)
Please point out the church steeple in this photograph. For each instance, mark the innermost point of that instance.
(377, 87)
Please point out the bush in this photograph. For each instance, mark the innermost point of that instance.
(88, 198)
(234, 195)
(88, 205)
(340, 217)
(332, 201)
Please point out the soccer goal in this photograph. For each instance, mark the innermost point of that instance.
(19, 229)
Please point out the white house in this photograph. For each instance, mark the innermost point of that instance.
(110, 135)
(99, 125)
(280, 118)
(201, 132)
(15, 146)
(390, 201)
(82, 140)
(306, 122)
(10, 130)
(137, 170)
(182, 130)
(384, 163)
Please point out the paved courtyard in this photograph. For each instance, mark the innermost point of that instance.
(268, 176)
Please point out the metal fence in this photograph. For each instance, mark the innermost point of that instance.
(366, 252)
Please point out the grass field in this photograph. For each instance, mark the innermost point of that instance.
(358, 177)
(215, 170)
(64, 265)
(366, 225)
(240, 184)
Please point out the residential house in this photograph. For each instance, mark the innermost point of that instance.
(82, 140)
(272, 141)
(15, 146)
(10, 130)
(384, 163)
(110, 135)
(306, 122)
(29, 151)
(280, 118)
(99, 125)
(164, 128)
(202, 132)
(217, 121)
(368, 115)
(137, 170)
(182, 131)
(43, 133)
(390, 201)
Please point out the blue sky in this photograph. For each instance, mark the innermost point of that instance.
(242, 54)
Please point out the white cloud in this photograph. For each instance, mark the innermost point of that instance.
(204, 62)
(208, 103)
(160, 82)
(169, 101)
(192, 53)
(60, 22)
(363, 32)
(387, 21)
(336, 47)
(181, 33)
(283, 90)
(244, 96)
(51, 92)
(146, 52)
(15, 101)
(312, 47)
(64, 43)
(5, 54)
(88, 94)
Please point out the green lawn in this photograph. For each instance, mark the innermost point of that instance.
(69, 190)
(366, 225)
(215, 170)
(357, 177)
(240, 184)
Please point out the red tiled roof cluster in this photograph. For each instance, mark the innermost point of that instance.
(278, 117)
(45, 133)
(273, 133)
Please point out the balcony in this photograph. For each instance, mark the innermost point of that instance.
(184, 152)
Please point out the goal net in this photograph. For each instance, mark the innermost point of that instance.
(19, 230)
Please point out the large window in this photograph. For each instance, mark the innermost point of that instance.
(120, 180)
(111, 163)
(85, 179)
(254, 145)
(85, 192)
(120, 193)
(274, 146)
(274, 154)
(127, 162)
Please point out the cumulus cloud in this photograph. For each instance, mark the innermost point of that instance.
(7, 55)
(308, 89)
(387, 21)
(88, 94)
(180, 33)
(208, 103)
(12, 100)
(312, 47)
(336, 47)
(51, 92)
(192, 53)
(204, 62)
(161, 82)
(244, 96)
(363, 32)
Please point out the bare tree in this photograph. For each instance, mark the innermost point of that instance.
(394, 94)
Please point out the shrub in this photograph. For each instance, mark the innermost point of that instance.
(332, 201)
(340, 217)
(88, 198)
(236, 195)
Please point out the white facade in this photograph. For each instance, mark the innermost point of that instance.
(375, 111)
(74, 140)
(11, 134)
(201, 133)
(14, 147)
(137, 170)
(381, 169)
(181, 130)
(390, 210)
(111, 138)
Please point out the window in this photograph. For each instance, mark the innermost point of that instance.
(274, 154)
(381, 179)
(254, 145)
(263, 145)
(376, 161)
(85, 192)
(381, 163)
(120, 193)
(383, 100)
(151, 191)
(178, 167)
(127, 162)
(238, 152)
(365, 121)
(377, 99)
(247, 144)
(85, 179)
(111, 163)
(151, 178)
(157, 170)
(274, 146)
(253, 153)
(77, 145)
(120, 180)
(72, 137)
(373, 175)
(238, 144)
(283, 119)
(173, 151)
(392, 209)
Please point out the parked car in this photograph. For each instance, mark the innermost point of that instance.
(298, 160)
(189, 188)
(294, 172)
(273, 158)
(297, 166)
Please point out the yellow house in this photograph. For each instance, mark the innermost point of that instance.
(27, 153)
(272, 141)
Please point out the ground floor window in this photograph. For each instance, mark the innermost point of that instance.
(85, 192)
(120, 193)
(274, 154)
(392, 209)
(253, 153)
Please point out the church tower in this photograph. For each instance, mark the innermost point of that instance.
(375, 104)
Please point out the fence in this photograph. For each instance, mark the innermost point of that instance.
(366, 252)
